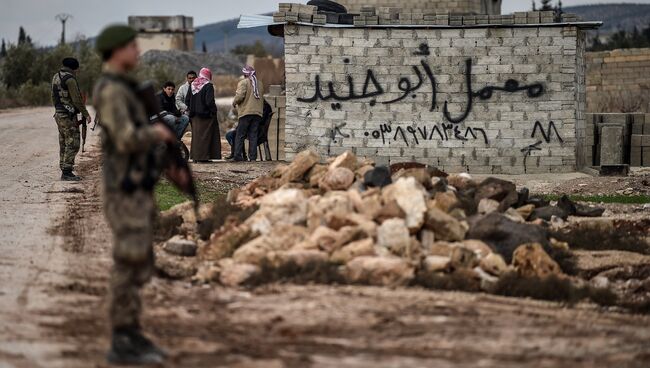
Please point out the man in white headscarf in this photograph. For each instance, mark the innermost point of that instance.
(249, 103)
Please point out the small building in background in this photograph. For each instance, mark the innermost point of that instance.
(164, 32)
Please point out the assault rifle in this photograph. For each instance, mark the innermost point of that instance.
(84, 128)
(177, 170)
(84, 133)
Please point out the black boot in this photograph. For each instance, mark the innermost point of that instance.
(68, 175)
(130, 347)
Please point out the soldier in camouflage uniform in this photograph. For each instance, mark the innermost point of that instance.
(68, 103)
(130, 172)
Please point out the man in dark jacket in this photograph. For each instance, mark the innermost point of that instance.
(170, 114)
(206, 140)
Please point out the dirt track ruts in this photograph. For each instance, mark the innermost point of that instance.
(53, 284)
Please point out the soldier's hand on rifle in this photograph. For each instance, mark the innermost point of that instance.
(164, 133)
(180, 177)
(88, 119)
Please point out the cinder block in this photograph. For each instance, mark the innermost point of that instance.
(508, 19)
(636, 156)
(455, 20)
(544, 19)
(279, 17)
(495, 19)
(469, 20)
(441, 20)
(292, 17)
(614, 119)
(547, 13)
(568, 17)
(405, 16)
(320, 19)
(611, 145)
(533, 18)
(373, 20)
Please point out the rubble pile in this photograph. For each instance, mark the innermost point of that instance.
(351, 222)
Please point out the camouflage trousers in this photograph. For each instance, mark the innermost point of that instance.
(69, 140)
(131, 218)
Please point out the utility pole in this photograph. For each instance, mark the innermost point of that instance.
(63, 17)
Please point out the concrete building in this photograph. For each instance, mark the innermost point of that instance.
(484, 94)
(164, 32)
(618, 81)
(442, 6)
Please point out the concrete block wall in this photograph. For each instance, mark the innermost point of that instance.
(601, 148)
(276, 134)
(446, 6)
(618, 81)
(398, 95)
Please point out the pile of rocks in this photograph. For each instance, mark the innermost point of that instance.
(373, 225)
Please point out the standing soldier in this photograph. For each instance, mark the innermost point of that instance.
(130, 173)
(68, 103)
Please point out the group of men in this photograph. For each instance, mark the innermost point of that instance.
(70, 112)
(253, 111)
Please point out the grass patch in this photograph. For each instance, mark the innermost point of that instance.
(167, 196)
(617, 198)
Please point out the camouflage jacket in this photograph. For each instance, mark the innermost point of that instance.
(68, 95)
(128, 141)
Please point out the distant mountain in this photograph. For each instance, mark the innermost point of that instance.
(614, 16)
(218, 36)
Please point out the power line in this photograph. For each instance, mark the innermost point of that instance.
(63, 18)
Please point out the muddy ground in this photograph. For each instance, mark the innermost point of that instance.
(53, 294)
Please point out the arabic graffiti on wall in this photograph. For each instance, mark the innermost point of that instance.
(372, 89)
(416, 135)
(546, 135)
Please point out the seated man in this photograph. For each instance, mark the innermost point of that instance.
(230, 137)
(170, 114)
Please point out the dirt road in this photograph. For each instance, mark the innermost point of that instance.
(53, 277)
(35, 262)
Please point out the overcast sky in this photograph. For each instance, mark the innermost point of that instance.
(89, 16)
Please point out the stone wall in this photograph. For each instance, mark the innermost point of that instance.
(618, 81)
(398, 95)
(446, 6)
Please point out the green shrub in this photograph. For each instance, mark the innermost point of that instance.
(35, 94)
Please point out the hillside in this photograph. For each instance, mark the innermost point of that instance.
(614, 16)
(182, 61)
(217, 35)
